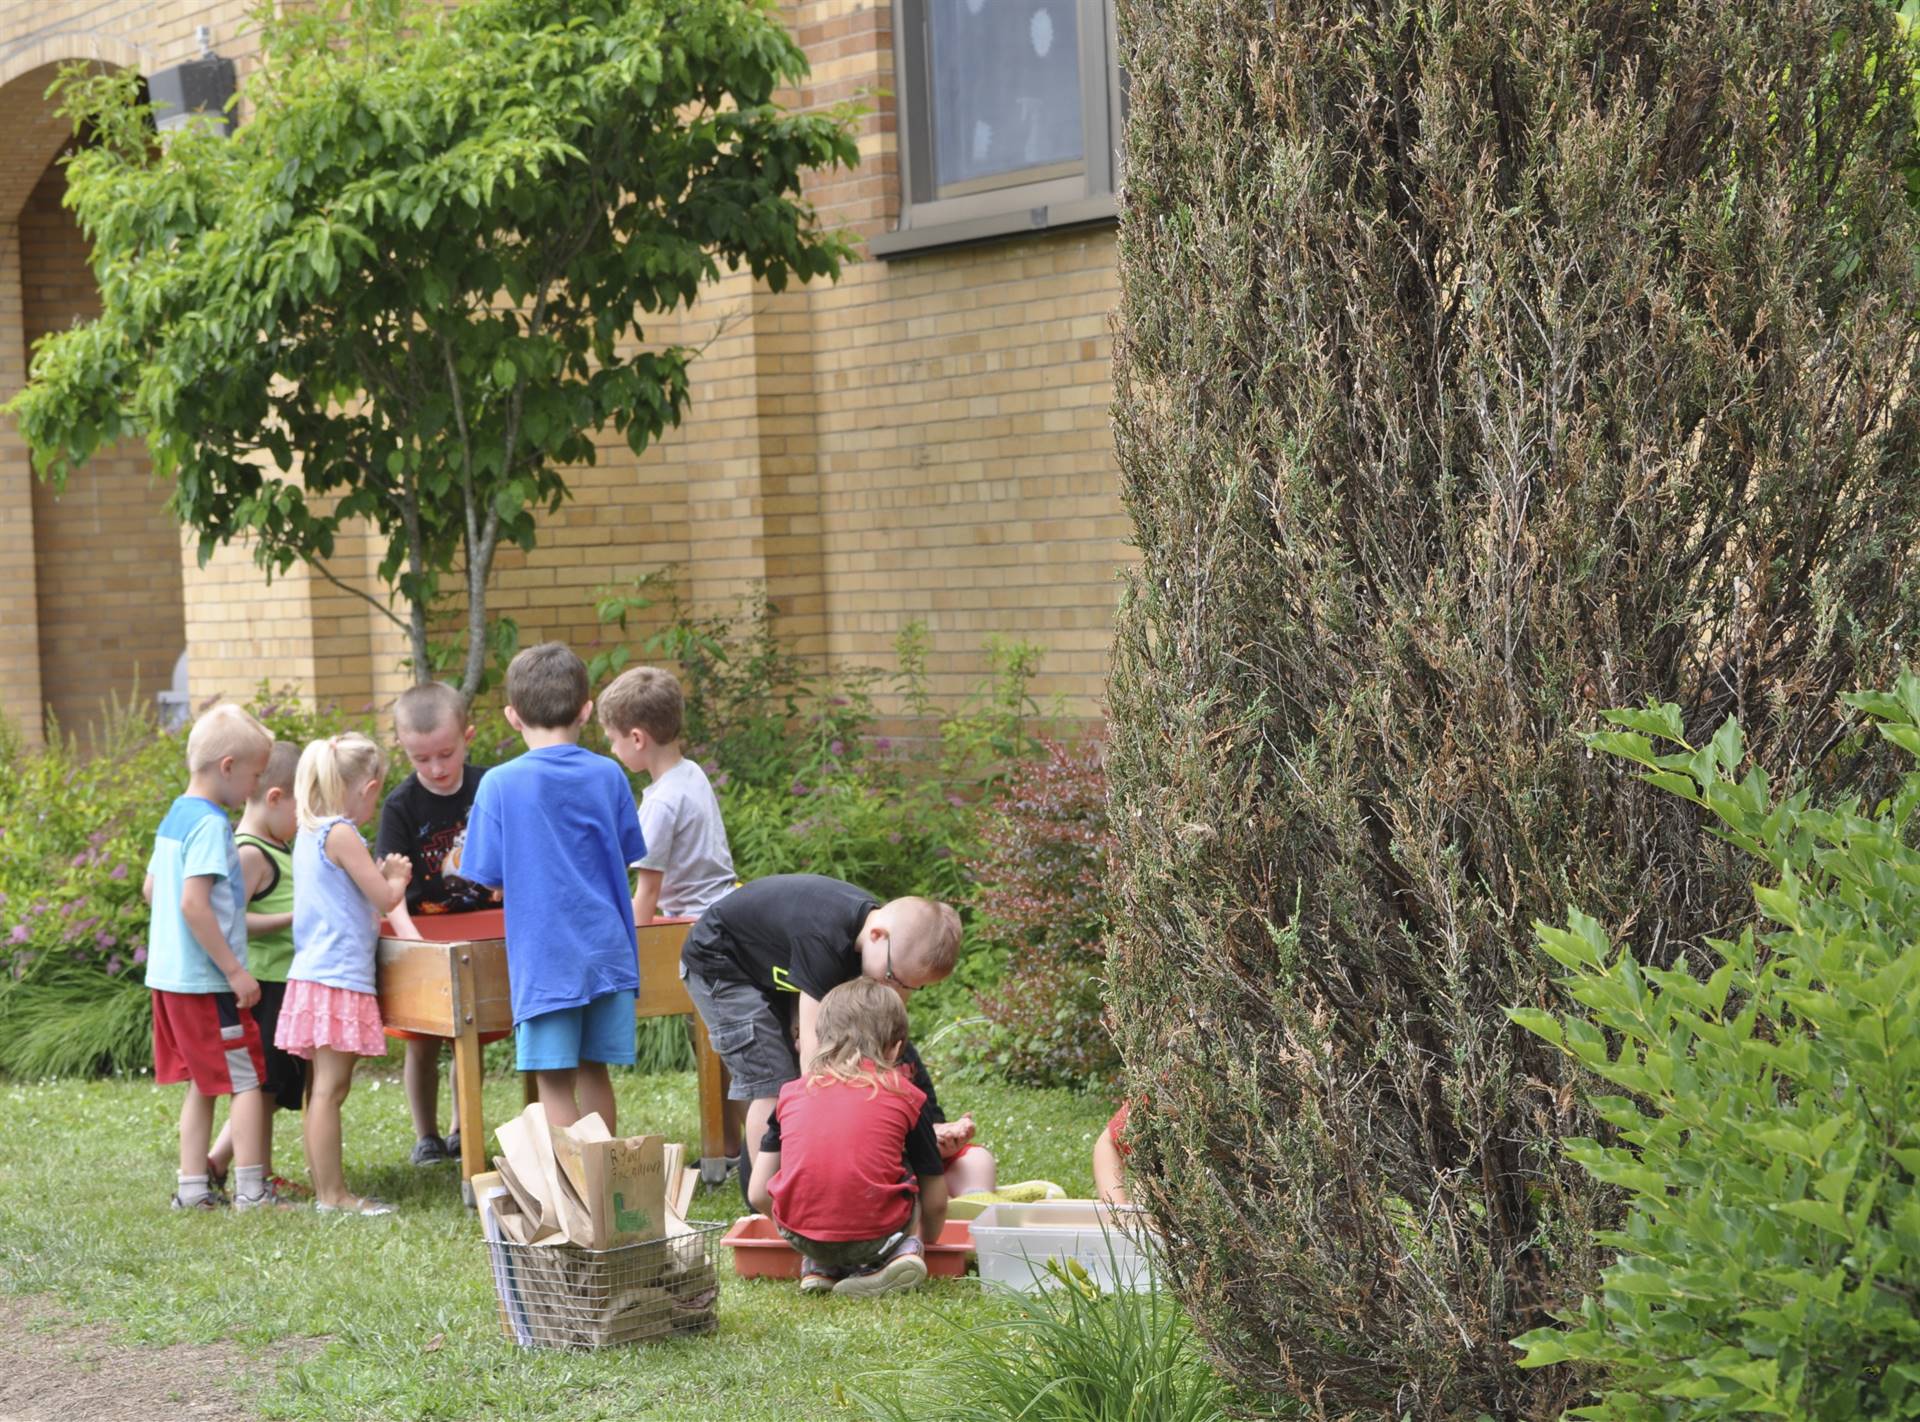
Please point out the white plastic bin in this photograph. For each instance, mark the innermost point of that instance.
(1015, 1242)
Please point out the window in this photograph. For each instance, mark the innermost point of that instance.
(1009, 113)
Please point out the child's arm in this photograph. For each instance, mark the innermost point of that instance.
(766, 1165)
(646, 894)
(146, 889)
(401, 921)
(933, 1207)
(807, 1019)
(254, 869)
(1109, 1178)
(196, 907)
(385, 883)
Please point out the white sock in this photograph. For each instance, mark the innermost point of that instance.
(193, 1189)
(249, 1182)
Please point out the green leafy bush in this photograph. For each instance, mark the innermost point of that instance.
(1769, 1139)
(1067, 1353)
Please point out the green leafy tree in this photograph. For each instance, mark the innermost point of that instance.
(410, 288)
(1767, 1134)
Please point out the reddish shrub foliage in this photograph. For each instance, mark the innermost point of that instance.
(1043, 917)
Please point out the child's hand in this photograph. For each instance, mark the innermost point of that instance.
(246, 988)
(396, 868)
(954, 1136)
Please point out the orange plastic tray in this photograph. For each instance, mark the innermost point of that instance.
(760, 1253)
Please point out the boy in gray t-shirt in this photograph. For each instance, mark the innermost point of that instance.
(688, 866)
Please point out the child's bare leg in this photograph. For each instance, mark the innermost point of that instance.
(247, 1124)
(221, 1156)
(759, 1112)
(196, 1130)
(332, 1079)
(594, 1087)
(971, 1171)
(420, 1074)
(556, 1090)
(453, 1097)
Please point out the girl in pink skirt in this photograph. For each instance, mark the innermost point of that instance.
(331, 1015)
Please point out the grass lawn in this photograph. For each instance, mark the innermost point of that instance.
(403, 1306)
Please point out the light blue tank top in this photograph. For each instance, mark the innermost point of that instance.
(334, 926)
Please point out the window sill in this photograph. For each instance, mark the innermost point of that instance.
(914, 241)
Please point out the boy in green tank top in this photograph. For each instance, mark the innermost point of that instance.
(265, 840)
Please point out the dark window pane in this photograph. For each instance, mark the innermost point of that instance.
(1006, 89)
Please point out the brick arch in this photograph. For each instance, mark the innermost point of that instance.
(35, 132)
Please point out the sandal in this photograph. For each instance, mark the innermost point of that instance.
(364, 1205)
(216, 1178)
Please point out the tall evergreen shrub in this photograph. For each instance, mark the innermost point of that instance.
(1480, 365)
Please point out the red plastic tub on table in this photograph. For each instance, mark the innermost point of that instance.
(760, 1253)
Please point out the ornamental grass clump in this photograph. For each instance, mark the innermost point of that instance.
(1766, 1133)
(1478, 367)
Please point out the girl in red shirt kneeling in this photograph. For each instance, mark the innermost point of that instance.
(848, 1150)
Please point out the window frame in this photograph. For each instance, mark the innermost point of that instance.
(929, 221)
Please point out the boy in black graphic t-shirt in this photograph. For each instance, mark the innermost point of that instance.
(759, 961)
(424, 819)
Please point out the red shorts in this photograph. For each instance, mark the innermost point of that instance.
(205, 1038)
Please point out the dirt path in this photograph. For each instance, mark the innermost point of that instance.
(56, 1369)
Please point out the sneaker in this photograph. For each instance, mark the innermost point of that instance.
(453, 1145)
(269, 1198)
(905, 1268)
(212, 1200)
(428, 1150)
(817, 1278)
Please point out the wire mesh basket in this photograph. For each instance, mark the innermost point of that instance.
(562, 1296)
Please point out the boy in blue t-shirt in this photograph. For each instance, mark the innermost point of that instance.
(556, 831)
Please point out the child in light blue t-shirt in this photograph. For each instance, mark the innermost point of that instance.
(203, 1032)
(556, 831)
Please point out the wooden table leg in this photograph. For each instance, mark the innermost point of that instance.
(712, 1076)
(467, 1067)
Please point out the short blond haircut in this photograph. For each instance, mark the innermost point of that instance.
(858, 1021)
(928, 932)
(225, 730)
(282, 762)
(329, 770)
(645, 698)
(428, 707)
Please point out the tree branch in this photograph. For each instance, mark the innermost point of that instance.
(361, 593)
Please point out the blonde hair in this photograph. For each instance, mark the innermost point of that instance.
(428, 707)
(327, 772)
(225, 730)
(282, 761)
(858, 1021)
(927, 932)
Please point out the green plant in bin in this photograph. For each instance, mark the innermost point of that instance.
(1767, 1113)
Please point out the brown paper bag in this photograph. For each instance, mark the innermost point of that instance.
(524, 1170)
(626, 1195)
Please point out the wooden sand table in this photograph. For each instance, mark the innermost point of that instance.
(454, 985)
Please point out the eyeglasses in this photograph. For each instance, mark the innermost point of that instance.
(904, 987)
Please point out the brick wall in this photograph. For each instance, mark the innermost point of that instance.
(106, 552)
(929, 438)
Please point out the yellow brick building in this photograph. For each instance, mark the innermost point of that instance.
(926, 439)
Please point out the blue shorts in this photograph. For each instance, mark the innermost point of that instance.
(560, 1040)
